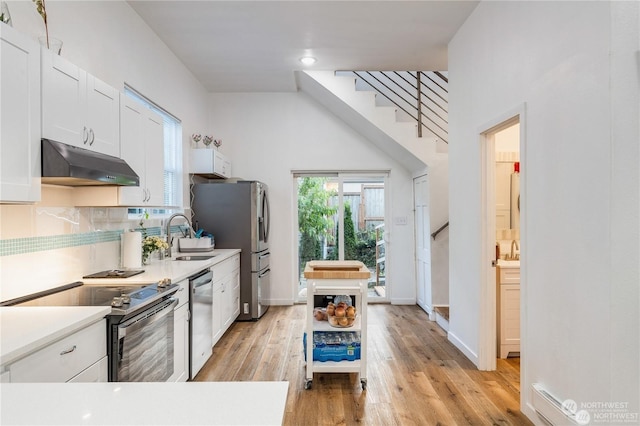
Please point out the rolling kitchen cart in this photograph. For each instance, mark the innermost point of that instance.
(326, 277)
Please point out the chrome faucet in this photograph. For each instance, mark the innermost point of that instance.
(514, 256)
(169, 239)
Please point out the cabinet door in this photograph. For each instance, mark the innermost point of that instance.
(132, 149)
(97, 373)
(510, 314)
(216, 317)
(102, 117)
(20, 117)
(63, 99)
(181, 344)
(235, 296)
(154, 159)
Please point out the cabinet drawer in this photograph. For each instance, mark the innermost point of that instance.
(97, 373)
(183, 293)
(64, 359)
(509, 275)
(226, 267)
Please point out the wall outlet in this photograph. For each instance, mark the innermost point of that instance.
(246, 308)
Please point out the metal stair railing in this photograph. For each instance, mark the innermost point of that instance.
(421, 95)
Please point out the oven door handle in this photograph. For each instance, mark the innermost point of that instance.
(145, 319)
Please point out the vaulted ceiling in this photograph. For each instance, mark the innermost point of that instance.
(255, 46)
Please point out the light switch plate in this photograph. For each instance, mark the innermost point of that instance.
(400, 220)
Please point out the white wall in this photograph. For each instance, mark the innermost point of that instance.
(267, 135)
(575, 67)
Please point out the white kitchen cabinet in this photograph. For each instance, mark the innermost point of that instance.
(97, 373)
(20, 117)
(226, 295)
(216, 316)
(210, 162)
(234, 296)
(77, 108)
(142, 147)
(181, 335)
(66, 358)
(508, 311)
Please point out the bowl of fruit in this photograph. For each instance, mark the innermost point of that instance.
(341, 315)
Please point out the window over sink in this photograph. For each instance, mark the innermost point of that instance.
(172, 158)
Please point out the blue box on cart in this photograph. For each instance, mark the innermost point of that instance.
(334, 346)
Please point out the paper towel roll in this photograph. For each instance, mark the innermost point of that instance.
(131, 250)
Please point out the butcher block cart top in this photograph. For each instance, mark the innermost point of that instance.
(337, 277)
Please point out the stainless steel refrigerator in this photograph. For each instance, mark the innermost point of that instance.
(237, 214)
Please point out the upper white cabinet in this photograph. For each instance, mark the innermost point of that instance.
(142, 147)
(20, 117)
(210, 162)
(77, 108)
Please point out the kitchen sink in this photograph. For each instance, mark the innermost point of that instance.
(195, 257)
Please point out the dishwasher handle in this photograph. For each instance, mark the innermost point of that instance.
(203, 277)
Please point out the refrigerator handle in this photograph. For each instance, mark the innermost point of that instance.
(265, 216)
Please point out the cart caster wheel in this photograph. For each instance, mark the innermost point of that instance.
(363, 382)
(307, 385)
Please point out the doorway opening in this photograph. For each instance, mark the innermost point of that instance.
(502, 246)
(341, 216)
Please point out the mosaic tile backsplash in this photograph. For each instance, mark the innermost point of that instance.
(35, 244)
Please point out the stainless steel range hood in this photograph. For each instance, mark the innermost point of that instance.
(68, 165)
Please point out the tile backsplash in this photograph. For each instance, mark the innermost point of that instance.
(45, 245)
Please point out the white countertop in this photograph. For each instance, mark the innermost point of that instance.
(187, 403)
(176, 270)
(26, 329)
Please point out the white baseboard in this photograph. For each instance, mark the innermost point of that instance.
(403, 301)
(442, 322)
(281, 302)
(473, 357)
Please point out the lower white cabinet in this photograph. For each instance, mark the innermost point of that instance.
(216, 317)
(181, 335)
(181, 347)
(98, 372)
(67, 359)
(226, 295)
(508, 311)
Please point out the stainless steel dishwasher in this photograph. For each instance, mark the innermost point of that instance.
(200, 327)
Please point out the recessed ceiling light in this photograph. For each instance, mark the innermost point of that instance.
(308, 60)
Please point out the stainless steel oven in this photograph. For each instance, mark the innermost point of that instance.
(140, 334)
(142, 346)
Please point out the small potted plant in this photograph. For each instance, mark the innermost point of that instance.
(150, 245)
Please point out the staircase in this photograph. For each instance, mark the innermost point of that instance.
(387, 125)
(378, 123)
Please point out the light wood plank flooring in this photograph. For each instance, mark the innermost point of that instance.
(415, 376)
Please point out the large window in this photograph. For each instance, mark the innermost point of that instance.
(172, 154)
(341, 217)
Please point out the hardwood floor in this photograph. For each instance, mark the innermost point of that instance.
(415, 376)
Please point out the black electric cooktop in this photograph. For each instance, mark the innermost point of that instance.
(115, 273)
